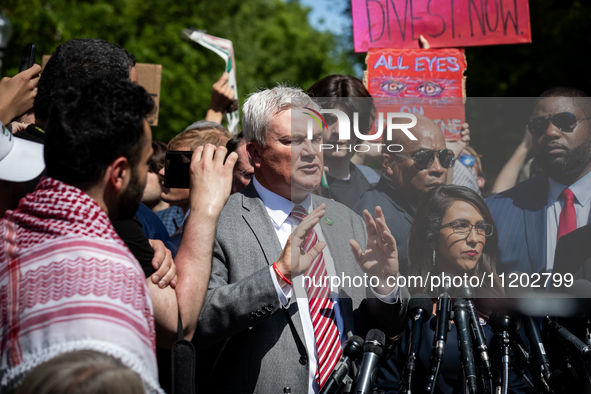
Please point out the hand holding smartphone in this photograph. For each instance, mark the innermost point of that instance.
(27, 57)
(176, 169)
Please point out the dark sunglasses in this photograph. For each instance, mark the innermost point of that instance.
(467, 160)
(424, 158)
(564, 121)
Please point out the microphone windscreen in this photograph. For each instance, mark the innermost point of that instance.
(420, 301)
(459, 303)
(374, 342)
(353, 347)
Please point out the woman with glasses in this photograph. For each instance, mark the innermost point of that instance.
(453, 233)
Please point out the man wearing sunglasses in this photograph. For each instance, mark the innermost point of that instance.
(533, 215)
(421, 166)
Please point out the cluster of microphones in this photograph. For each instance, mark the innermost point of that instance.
(565, 369)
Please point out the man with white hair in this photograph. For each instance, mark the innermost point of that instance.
(275, 325)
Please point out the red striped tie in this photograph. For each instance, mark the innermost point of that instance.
(568, 215)
(321, 305)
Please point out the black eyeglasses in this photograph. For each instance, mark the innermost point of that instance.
(464, 227)
(564, 121)
(425, 157)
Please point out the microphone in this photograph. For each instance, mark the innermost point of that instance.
(581, 289)
(537, 346)
(478, 332)
(351, 350)
(372, 352)
(419, 311)
(571, 341)
(532, 332)
(462, 320)
(506, 333)
(443, 326)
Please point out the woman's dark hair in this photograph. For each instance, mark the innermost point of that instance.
(342, 88)
(91, 125)
(425, 232)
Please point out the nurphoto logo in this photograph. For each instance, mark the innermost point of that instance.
(390, 121)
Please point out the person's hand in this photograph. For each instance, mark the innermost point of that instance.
(527, 140)
(380, 258)
(458, 146)
(294, 261)
(222, 96)
(17, 94)
(211, 180)
(423, 42)
(17, 127)
(163, 264)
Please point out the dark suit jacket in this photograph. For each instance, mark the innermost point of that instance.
(259, 344)
(573, 254)
(520, 217)
(397, 211)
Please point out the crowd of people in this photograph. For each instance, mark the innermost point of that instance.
(105, 272)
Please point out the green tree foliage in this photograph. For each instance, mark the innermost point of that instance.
(273, 43)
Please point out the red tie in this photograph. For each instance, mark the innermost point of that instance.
(321, 305)
(568, 215)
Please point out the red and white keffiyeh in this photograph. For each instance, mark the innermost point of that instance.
(68, 282)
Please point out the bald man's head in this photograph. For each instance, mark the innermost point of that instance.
(402, 172)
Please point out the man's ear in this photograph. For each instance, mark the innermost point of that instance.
(118, 173)
(253, 148)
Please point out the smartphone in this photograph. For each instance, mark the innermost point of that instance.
(27, 57)
(176, 169)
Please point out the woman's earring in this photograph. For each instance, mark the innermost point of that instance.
(434, 254)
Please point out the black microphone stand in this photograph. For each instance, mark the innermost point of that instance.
(485, 367)
(443, 326)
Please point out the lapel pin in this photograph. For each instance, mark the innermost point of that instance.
(329, 221)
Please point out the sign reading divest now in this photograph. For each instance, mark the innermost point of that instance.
(444, 23)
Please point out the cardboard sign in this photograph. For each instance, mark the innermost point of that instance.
(149, 77)
(430, 82)
(444, 23)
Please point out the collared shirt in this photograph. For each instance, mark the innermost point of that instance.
(279, 209)
(582, 191)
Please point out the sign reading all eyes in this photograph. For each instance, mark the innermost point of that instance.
(428, 82)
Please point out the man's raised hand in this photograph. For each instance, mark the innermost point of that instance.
(380, 258)
(294, 261)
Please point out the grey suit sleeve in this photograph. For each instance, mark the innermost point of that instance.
(231, 308)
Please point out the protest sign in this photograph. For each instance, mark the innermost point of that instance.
(430, 82)
(225, 50)
(444, 23)
(149, 76)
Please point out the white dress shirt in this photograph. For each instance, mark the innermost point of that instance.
(582, 191)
